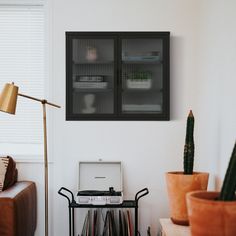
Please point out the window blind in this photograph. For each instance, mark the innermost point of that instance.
(22, 62)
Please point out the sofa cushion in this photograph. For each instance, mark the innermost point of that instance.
(3, 169)
(11, 174)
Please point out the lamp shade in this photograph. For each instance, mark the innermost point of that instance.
(8, 98)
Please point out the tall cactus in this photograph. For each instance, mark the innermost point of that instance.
(189, 145)
(229, 185)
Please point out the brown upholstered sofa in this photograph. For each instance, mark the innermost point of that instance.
(18, 209)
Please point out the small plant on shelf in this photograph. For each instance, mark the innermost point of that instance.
(229, 185)
(189, 145)
(140, 75)
(139, 80)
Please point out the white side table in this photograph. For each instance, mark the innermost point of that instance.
(170, 229)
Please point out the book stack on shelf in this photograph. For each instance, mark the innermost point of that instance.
(141, 56)
(111, 225)
(90, 82)
(141, 107)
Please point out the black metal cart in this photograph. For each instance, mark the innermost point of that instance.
(126, 204)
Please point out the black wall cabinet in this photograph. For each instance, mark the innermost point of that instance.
(117, 75)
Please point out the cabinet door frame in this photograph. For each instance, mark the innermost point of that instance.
(70, 36)
(165, 114)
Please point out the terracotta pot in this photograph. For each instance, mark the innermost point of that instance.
(178, 185)
(211, 217)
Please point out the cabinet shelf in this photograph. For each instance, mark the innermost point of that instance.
(91, 90)
(93, 62)
(152, 90)
(142, 112)
(143, 62)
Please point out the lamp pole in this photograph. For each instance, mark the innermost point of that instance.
(45, 166)
(8, 100)
(44, 102)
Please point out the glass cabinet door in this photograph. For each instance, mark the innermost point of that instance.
(117, 75)
(142, 76)
(92, 76)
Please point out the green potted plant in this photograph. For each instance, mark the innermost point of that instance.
(139, 80)
(214, 213)
(179, 183)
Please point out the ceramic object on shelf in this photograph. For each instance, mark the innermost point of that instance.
(91, 54)
(89, 104)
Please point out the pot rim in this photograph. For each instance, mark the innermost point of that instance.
(194, 196)
(182, 173)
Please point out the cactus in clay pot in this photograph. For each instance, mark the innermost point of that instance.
(189, 145)
(229, 185)
(179, 183)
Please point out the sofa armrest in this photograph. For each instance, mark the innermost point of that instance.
(18, 209)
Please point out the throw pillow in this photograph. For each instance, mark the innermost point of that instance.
(11, 174)
(3, 169)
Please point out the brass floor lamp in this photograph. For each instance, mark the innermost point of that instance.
(8, 100)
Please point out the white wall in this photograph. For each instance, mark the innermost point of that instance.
(146, 149)
(216, 70)
(202, 60)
